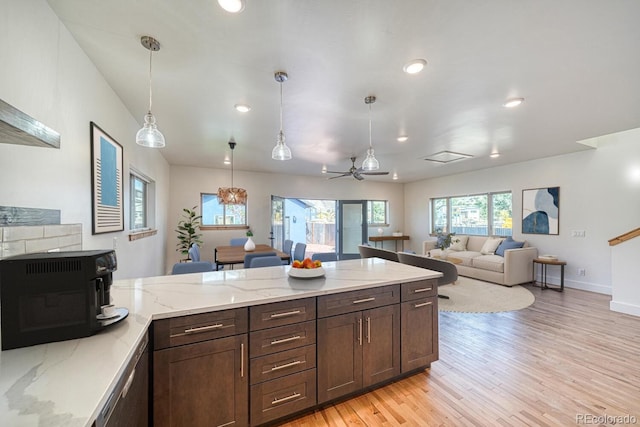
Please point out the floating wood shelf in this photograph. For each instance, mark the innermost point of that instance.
(18, 128)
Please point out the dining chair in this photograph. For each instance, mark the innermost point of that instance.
(298, 252)
(249, 257)
(191, 267)
(324, 256)
(194, 252)
(238, 241)
(266, 261)
(286, 248)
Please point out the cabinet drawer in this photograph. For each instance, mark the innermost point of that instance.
(278, 398)
(419, 289)
(199, 327)
(282, 313)
(280, 364)
(282, 338)
(347, 302)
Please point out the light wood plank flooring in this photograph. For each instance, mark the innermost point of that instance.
(566, 355)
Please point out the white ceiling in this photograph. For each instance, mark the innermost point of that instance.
(576, 62)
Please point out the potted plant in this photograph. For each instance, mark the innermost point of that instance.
(188, 228)
(444, 239)
(249, 245)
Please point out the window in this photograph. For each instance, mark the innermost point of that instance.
(471, 214)
(377, 212)
(139, 202)
(215, 214)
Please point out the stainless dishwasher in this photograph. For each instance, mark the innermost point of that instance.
(128, 404)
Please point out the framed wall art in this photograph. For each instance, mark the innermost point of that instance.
(107, 187)
(541, 210)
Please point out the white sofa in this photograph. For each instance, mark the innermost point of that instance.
(515, 267)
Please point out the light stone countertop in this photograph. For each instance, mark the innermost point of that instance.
(67, 383)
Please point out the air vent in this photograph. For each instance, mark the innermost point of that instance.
(53, 266)
(447, 157)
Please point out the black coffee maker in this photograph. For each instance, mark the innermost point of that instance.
(56, 296)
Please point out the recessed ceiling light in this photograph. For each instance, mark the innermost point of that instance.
(403, 138)
(414, 66)
(324, 168)
(243, 108)
(395, 175)
(232, 6)
(494, 155)
(513, 102)
(227, 161)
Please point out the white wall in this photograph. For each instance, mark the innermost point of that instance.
(187, 183)
(46, 75)
(599, 193)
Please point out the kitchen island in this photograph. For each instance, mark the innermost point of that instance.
(68, 383)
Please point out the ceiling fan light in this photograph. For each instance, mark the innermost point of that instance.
(149, 135)
(370, 163)
(281, 151)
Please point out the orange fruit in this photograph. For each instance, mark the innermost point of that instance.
(296, 264)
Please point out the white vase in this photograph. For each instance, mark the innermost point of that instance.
(249, 245)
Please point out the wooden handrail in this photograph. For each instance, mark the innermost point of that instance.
(624, 237)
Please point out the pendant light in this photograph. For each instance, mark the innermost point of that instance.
(370, 163)
(281, 151)
(232, 195)
(149, 135)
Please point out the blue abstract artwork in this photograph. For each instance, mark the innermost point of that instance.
(541, 210)
(107, 191)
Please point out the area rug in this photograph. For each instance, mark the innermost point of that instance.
(475, 296)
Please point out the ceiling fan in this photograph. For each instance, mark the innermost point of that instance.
(356, 172)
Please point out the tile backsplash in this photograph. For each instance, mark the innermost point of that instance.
(19, 240)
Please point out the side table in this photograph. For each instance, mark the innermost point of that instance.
(544, 262)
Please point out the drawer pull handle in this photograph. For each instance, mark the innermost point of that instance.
(203, 329)
(288, 313)
(360, 301)
(286, 365)
(284, 340)
(417, 291)
(422, 304)
(285, 399)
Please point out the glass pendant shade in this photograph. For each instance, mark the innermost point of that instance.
(232, 195)
(149, 135)
(281, 151)
(370, 163)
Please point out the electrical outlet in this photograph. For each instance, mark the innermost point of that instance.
(578, 233)
(581, 272)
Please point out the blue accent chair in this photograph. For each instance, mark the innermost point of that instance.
(298, 252)
(286, 248)
(324, 256)
(191, 267)
(249, 257)
(194, 252)
(266, 261)
(238, 241)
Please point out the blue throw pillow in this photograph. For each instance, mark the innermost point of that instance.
(508, 243)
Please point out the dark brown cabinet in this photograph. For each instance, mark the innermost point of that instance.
(360, 348)
(419, 336)
(202, 378)
(283, 359)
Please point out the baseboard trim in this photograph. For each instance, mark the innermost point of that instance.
(583, 286)
(621, 307)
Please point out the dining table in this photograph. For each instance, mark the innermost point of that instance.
(229, 255)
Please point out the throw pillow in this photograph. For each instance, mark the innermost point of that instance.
(490, 245)
(508, 243)
(459, 243)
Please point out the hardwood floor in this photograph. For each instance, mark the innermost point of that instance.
(564, 356)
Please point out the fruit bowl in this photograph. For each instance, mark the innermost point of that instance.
(306, 273)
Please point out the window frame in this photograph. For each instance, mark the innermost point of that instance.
(370, 222)
(133, 178)
(448, 220)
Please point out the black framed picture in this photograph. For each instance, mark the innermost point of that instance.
(107, 182)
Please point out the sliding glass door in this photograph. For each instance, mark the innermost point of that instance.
(352, 227)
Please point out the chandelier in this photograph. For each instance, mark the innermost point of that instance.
(232, 195)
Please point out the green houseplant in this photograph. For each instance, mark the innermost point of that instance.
(188, 228)
(444, 239)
